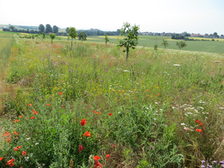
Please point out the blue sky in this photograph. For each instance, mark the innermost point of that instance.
(194, 16)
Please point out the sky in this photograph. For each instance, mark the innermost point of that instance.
(193, 16)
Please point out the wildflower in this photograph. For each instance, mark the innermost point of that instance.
(176, 65)
(29, 105)
(199, 122)
(83, 122)
(110, 114)
(20, 116)
(96, 157)
(6, 134)
(108, 156)
(32, 117)
(198, 130)
(15, 133)
(96, 112)
(187, 129)
(48, 104)
(10, 162)
(87, 134)
(1, 158)
(81, 148)
(17, 148)
(35, 112)
(24, 153)
(16, 120)
(97, 164)
(60, 93)
(8, 139)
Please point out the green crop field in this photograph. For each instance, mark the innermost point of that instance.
(201, 45)
(71, 105)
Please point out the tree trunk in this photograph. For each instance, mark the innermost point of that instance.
(127, 53)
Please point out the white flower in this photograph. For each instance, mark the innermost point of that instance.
(176, 65)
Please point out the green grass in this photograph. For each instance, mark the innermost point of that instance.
(141, 112)
(150, 41)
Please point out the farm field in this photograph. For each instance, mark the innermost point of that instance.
(85, 106)
(201, 45)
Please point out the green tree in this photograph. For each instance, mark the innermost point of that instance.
(181, 44)
(52, 36)
(165, 43)
(106, 39)
(12, 28)
(82, 36)
(41, 28)
(48, 28)
(73, 34)
(130, 39)
(55, 29)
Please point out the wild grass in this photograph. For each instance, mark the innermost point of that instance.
(161, 109)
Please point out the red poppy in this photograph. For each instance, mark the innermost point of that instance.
(24, 153)
(16, 120)
(48, 104)
(199, 122)
(87, 134)
(35, 112)
(96, 157)
(10, 162)
(198, 130)
(17, 148)
(108, 156)
(60, 93)
(96, 112)
(83, 122)
(15, 133)
(110, 114)
(6, 134)
(20, 116)
(32, 117)
(97, 164)
(1, 158)
(29, 105)
(81, 148)
(8, 139)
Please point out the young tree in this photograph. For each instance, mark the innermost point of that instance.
(106, 39)
(41, 28)
(165, 43)
(181, 44)
(82, 36)
(73, 34)
(52, 36)
(130, 40)
(55, 29)
(48, 28)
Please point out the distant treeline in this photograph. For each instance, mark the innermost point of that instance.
(96, 32)
(55, 29)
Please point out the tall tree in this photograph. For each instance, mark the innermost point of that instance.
(52, 36)
(82, 36)
(72, 34)
(67, 30)
(41, 28)
(55, 29)
(48, 28)
(130, 39)
(165, 43)
(181, 44)
(106, 39)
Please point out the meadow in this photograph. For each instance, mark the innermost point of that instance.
(86, 107)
